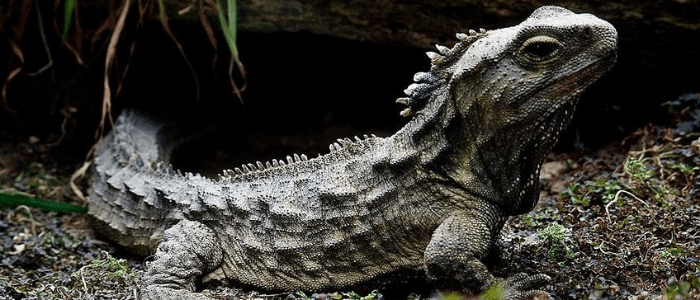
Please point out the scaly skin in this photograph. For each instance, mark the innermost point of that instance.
(431, 198)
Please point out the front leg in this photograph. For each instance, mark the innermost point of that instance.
(188, 251)
(454, 257)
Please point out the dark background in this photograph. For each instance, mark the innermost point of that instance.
(328, 74)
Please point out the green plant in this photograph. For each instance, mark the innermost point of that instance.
(673, 252)
(113, 267)
(229, 27)
(354, 296)
(644, 180)
(576, 193)
(686, 289)
(17, 199)
(555, 235)
(530, 221)
(626, 221)
(35, 176)
(638, 170)
(660, 193)
(68, 8)
(494, 292)
(580, 194)
(684, 168)
(608, 188)
(228, 24)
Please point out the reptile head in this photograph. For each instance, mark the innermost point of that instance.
(528, 70)
(516, 90)
(513, 91)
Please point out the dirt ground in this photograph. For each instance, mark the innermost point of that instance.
(618, 222)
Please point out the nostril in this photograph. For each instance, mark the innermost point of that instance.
(588, 31)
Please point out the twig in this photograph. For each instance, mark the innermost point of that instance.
(106, 99)
(646, 254)
(106, 25)
(82, 278)
(617, 195)
(600, 247)
(80, 172)
(109, 59)
(185, 10)
(18, 52)
(210, 34)
(31, 217)
(274, 295)
(66, 116)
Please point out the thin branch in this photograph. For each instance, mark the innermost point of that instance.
(617, 195)
(108, 24)
(210, 34)
(32, 221)
(106, 99)
(18, 53)
(80, 172)
(109, 59)
(66, 113)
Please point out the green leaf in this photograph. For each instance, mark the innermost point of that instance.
(68, 8)
(17, 199)
(228, 25)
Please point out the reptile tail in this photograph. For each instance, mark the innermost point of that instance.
(125, 201)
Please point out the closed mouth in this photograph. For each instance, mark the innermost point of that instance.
(585, 76)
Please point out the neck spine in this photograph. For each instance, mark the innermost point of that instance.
(433, 132)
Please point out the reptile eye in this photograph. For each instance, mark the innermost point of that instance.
(540, 48)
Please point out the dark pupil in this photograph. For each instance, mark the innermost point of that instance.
(540, 50)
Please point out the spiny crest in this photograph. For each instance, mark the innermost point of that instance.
(425, 82)
(342, 143)
(259, 166)
(448, 55)
(296, 158)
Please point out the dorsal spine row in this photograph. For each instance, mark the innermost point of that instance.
(229, 174)
(424, 82)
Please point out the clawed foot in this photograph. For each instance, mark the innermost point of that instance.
(521, 286)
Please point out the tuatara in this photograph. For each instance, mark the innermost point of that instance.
(430, 199)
